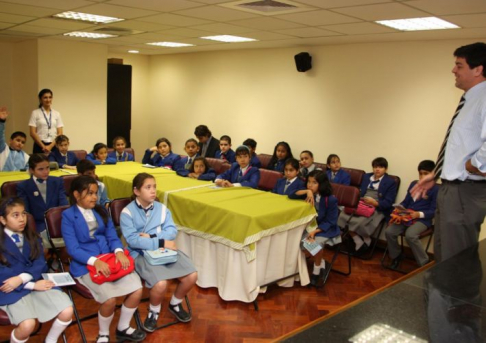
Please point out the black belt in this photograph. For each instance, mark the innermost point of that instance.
(458, 182)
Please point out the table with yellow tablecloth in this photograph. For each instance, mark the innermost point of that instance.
(238, 238)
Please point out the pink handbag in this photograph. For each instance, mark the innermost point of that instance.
(364, 210)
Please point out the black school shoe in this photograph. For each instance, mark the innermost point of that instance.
(150, 323)
(396, 262)
(313, 280)
(135, 336)
(179, 312)
(362, 250)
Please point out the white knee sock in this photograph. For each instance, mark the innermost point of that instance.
(14, 339)
(56, 330)
(155, 309)
(104, 324)
(126, 315)
(175, 301)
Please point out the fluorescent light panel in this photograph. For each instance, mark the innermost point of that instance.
(92, 18)
(80, 34)
(133, 51)
(229, 39)
(170, 44)
(418, 24)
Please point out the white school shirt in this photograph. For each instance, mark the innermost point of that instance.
(38, 120)
(26, 277)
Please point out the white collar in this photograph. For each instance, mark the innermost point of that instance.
(291, 181)
(10, 233)
(145, 208)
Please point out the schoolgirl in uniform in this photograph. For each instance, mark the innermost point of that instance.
(147, 225)
(291, 183)
(281, 153)
(163, 156)
(307, 163)
(334, 171)
(64, 158)
(24, 296)
(99, 155)
(319, 194)
(88, 232)
(379, 190)
(119, 154)
(200, 170)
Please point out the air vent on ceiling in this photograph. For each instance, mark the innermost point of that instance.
(267, 7)
(120, 31)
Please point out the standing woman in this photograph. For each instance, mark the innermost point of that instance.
(45, 124)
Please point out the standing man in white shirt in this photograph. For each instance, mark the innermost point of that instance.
(461, 165)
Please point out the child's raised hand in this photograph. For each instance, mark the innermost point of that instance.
(10, 284)
(170, 245)
(102, 267)
(3, 113)
(154, 148)
(43, 285)
(123, 259)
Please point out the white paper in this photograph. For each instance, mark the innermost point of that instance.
(59, 279)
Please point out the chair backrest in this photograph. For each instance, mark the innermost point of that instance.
(396, 179)
(9, 188)
(127, 150)
(323, 166)
(347, 196)
(80, 154)
(264, 159)
(219, 165)
(268, 179)
(116, 208)
(67, 180)
(356, 176)
(52, 218)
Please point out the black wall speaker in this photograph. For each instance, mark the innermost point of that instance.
(303, 61)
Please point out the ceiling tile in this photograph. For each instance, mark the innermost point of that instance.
(174, 19)
(57, 4)
(382, 12)
(467, 20)
(307, 32)
(32, 11)
(359, 28)
(116, 11)
(39, 30)
(320, 17)
(340, 3)
(210, 2)
(265, 35)
(14, 18)
(186, 32)
(157, 5)
(222, 28)
(266, 23)
(5, 25)
(216, 13)
(61, 24)
(139, 25)
(14, 32)
(443, 7)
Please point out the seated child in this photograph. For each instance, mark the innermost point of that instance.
(88, 232)
(378, 190)
(334, 171)
(319, 194)
(252, 144)
(87, 168)
(307, 163)
(120, 155)
(24, 295)
(99, 155)
(184, 164)
(281, 153)
(241, 174)
(147, 225)
(66, 159)
(200, 170)
(225, 152)
(163, 157)
(41, 192)
(12, 157)
(290, 183)
(421, 212)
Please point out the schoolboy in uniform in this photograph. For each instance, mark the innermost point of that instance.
(252, 144)
(225, 152)
(184, 164)
(12, 157)
(241, 174)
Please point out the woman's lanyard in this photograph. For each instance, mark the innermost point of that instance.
(49, 122)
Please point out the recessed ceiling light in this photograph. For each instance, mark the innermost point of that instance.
(229, 39)
(170, 44)
(92, 18)
(133, 51)
(418, 24)
(88, 35)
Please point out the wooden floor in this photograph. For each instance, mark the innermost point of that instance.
(281, 309)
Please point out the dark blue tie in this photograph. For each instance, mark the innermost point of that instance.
(372, 183)
(40, 180)
(240, 176)
(16, 238)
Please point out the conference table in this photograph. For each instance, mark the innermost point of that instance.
(238, 238)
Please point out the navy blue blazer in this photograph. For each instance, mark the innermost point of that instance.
(255, 162)
(295, 186)
(93, 159)
(230, 156)
(250, 179)
(35, 205)
(80, 246)
(342, 177)
(279, 166)
(55, 156)
(387, 192)
(157, 160)
(126, 157)
(327, 217)
(426, 204)
(180, 166)
(18, 262)
(212, 148)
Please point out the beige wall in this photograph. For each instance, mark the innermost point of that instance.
(6, 72)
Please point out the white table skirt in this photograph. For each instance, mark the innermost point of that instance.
(227, 269)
